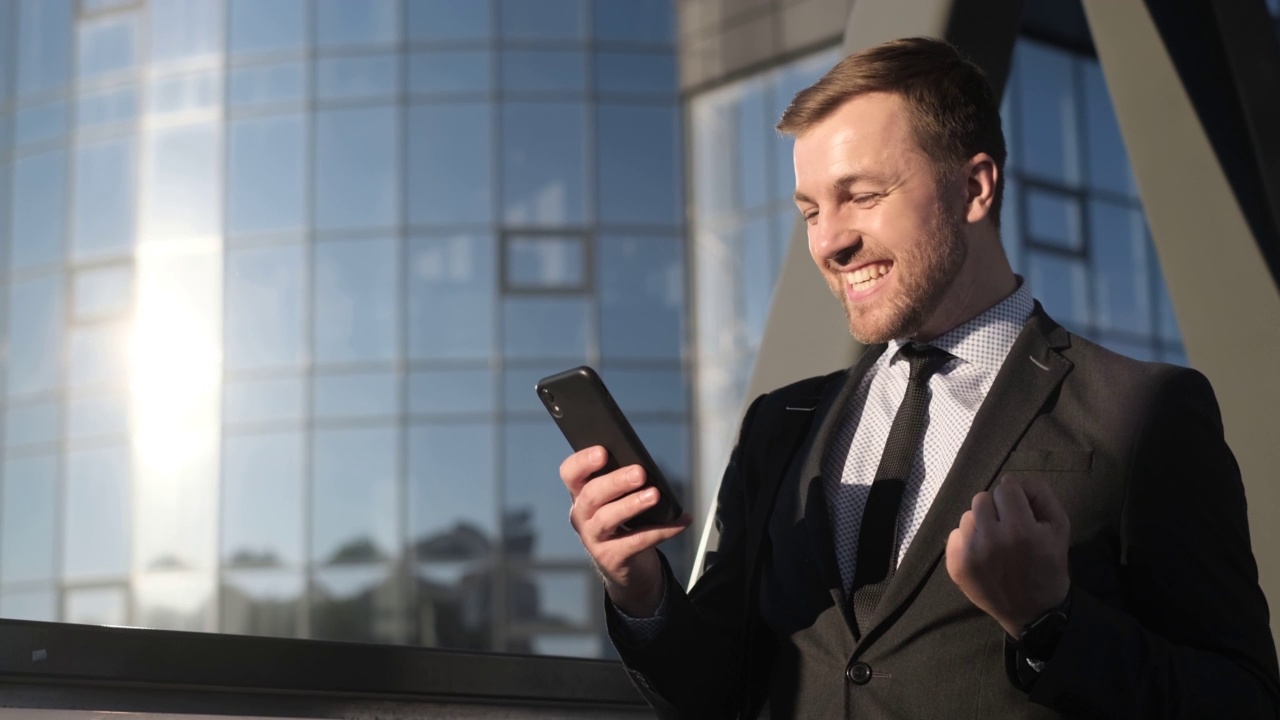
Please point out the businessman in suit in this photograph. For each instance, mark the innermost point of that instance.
(985, 517)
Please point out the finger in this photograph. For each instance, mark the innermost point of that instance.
(607, 521)
(578, 467)
(606, 489)
(1044, 503)
(618, 550)
(984, 510)
(1012, 504)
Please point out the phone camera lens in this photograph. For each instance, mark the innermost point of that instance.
(547, 394)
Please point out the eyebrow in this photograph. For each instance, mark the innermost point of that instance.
(845, 181)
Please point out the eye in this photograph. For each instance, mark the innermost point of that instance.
(866, 198)
(810, 216)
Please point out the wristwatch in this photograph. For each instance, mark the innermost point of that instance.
(1039, 639)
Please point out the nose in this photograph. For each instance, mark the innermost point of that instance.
(832, 240)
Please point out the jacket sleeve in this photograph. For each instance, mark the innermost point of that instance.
(691, 667)
(1193, 639)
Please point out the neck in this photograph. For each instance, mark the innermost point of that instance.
(984, 280)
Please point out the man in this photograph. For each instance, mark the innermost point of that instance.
(987, 516)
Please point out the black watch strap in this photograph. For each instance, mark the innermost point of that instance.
(1039, 640)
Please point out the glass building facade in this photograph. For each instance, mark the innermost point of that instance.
(279, 277)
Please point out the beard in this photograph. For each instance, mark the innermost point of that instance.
(924, 274)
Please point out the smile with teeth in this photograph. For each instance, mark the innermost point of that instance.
(866, 277)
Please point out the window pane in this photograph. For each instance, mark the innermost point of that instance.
(356, 22)
(265, 184)
(352, 78)
(38, 605)
(759, 268)
(35, 335)
(453, 511)
(355, 604)
(450, 72)
(448, 20)
(1108, 160)
(96, 518)
(98, 355)
(452, 289)
(262, 602)
(185, 29)
(632, 73)
(276, 26)
(262, 499)
(266, 307)
(95, 606)
(44, 44)
(356, 309)
(518, 381)
(1054, 219)
(181, 195)
(546, 262)
(546, 20)
(354, 499)
(551, 597)
(108, 107)
(1060, 284)
(265, 84)
(107, 45)
(534, 522)
(174, 601)
(259, 401)
(1119, 260)
(98, 417)
(28, 520)
(356, 395)
(544, 71)
(451, 391)
(640, 391)
(634, 20)
(186, 93)
(39, 209)
(357, 166)
(1046, 111)
(30, 424)
(39, 123)
(544, 158)
(640, 165)
(641, 297)
(104, 198)
(559, 644)
(545, 327)
(450, 164)
(455, 601)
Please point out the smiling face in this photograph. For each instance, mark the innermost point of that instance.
(878, 223)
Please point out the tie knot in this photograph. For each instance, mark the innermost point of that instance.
(924, 360)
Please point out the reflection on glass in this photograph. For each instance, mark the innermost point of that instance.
(1054, 218)
(641, 296)
(356, 22)
(566, 645)
(182, 192)
(646, 390)
(355, 395)
(450, 163)
(97, 354)
(452, 288)
(636, 73)
(266, 84)
(174, 601)
(358, 604)
(356, 308)
(38, 605)
(544, 71)
(759, 268)
(27, 519)
(102, 218)
(35, 424)
(107, 45)
(276, 26)
(262, 499)
(266, 183)
(35, 335)
(185, 29)
(352, 78)
(39, 209)
(443, 72)
(544, 164)
(448, 20)
(44, 44)
(97, 417)
(95, 606)
(534, 523)
(453, 513)
(1108, 162)
(444, 392)
(356, 168)
(96, 516)
(262, 400)
(550, 597)
(107, 107)
(266, 307)
(648, 21)
(1119, 268)
(261, 602)
(1046, 112)
(354, 499)
(453, 605)
(39, 123)
(546, 20)
(185, 93)
(546, 262)
(1061, 286)
(545, 327)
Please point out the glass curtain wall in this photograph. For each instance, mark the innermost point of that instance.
(279, 278)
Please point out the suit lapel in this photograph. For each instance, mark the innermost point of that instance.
(1031, 373)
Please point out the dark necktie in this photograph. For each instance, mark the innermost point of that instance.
(878, 532)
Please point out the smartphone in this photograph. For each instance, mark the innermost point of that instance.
(587, 415)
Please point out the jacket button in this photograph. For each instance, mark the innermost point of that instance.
(859, 673)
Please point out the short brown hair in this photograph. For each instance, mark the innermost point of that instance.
(953, 110)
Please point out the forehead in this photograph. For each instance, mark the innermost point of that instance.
(868, 132)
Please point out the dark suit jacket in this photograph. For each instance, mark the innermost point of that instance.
(1167, 617)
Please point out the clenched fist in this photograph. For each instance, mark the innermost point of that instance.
(1009, 554)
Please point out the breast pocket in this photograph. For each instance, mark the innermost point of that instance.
(1048, 461)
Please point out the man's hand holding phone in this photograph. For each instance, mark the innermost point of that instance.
(626, 559)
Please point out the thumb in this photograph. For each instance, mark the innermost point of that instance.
(1045, 505)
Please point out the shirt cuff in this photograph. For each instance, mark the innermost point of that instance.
(641, 631)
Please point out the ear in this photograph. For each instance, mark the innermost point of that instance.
(981, 175)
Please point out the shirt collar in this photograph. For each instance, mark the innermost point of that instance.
(985, 340)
